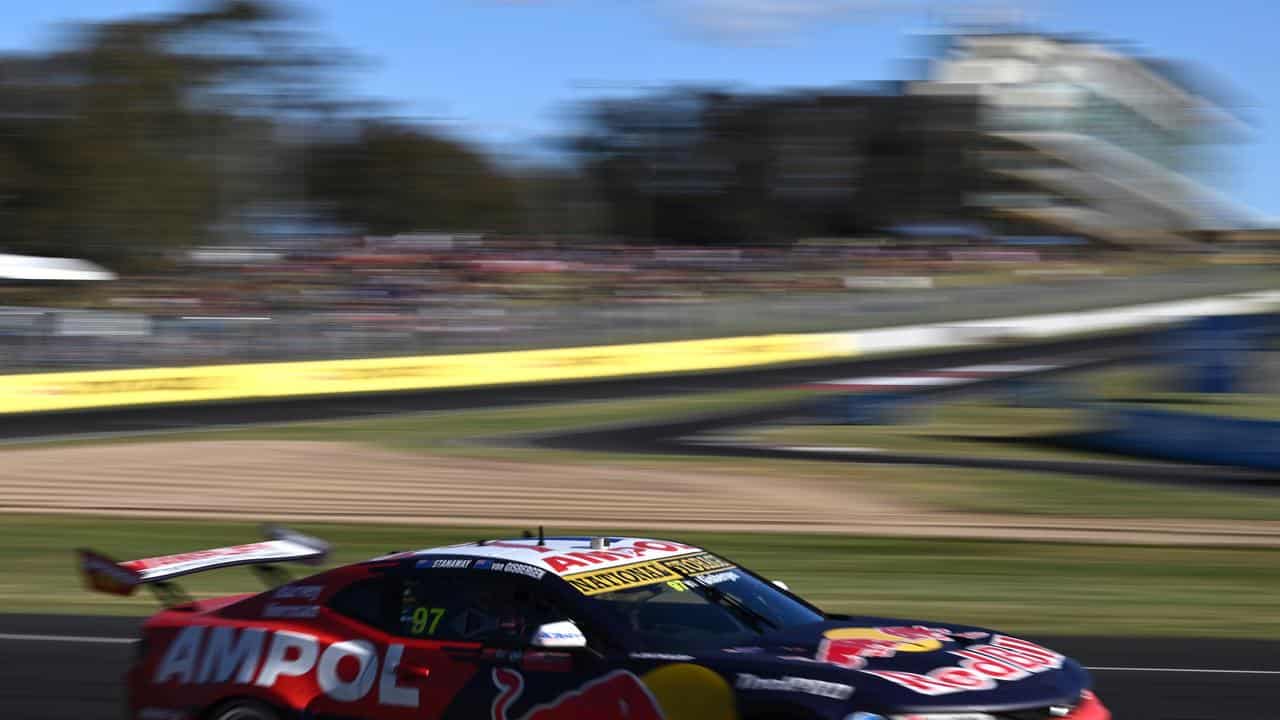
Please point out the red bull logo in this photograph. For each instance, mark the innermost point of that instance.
(982, 667)
(616, 696)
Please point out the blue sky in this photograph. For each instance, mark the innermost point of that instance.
(507, 71)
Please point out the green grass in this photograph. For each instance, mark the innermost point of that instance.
(1013, 492)
(1021, 587)
(985, 425)
(1149, 387)
(973, 427)
(990, 427)
(1234, 405)
(998, 426)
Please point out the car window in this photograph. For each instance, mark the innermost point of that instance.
(365, 601)
(490, 608)
(719, 606)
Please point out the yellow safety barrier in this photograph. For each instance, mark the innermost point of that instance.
(109, 388)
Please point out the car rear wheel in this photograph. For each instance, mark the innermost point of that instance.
(243, 710)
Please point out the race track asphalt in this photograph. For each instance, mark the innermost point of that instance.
(69, 668)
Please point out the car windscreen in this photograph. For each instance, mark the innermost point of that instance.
(698, 610)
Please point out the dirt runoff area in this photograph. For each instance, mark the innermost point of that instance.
(348, 482)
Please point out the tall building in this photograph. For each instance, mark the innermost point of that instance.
(1008, 136)
(1077, 138)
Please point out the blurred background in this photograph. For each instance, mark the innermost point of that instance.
(251, 180)
(988, 290)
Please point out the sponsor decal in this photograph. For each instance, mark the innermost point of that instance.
(558, 635)
(618, 695)
(696, 564)
(277, 610)
(676, 657)
(981, 667)
(201, 654)
(620, 578)
(377, 373)
(705, 566)
(850, 647)
(267, 550)
(163, 384)
(788, 683)
(60, 391)
(585, 559)
(298, 592)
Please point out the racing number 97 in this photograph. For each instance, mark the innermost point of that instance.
(425, 620)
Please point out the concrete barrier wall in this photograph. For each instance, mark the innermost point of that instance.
(109, 388)
(38, 392)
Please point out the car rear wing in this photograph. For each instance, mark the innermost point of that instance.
(106, 575)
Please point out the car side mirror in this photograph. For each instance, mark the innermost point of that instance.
(782, 585)
(558, 635)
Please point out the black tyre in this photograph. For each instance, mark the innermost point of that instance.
(243, 710)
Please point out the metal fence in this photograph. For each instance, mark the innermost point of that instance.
(38, 339)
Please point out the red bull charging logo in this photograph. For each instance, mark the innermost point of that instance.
(619, 695)
(850, 647)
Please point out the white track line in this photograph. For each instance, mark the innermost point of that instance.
(67, 638)
(1204, 671)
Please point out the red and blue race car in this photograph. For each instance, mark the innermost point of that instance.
(558, 628)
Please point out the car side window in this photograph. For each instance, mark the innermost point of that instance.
(365, 601)
(494, 609)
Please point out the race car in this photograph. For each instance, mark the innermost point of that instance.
(558, 628)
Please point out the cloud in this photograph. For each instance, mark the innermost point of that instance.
(751, 21)
(756, 20)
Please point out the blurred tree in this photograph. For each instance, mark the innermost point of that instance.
(685, 166)
(558, 202)
(136, 137)
(707, 167)
(391, 178)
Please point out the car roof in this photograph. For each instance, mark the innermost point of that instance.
(564, 555)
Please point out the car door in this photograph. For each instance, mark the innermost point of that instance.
(490, 616)
(384, 665)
